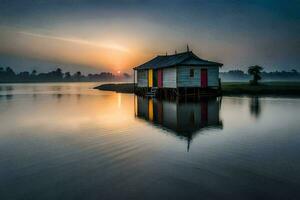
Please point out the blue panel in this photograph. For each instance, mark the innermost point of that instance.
(142, 78)
(184, 79)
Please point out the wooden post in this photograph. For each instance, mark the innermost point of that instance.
(134, 81)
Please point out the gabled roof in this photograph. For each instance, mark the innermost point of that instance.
(176, 59)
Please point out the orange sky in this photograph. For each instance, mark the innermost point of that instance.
(109, 54)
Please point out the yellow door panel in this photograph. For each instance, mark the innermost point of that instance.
(150, 78)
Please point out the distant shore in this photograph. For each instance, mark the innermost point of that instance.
(230, 88)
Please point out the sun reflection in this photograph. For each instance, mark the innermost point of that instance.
(68, 110)
(119, 100)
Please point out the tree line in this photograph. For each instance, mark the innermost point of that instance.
(8, 75)
(239, 75)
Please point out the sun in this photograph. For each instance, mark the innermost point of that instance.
(119, 72)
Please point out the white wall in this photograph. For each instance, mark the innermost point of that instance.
(169, 77)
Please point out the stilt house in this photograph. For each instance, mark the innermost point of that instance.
(179, 72)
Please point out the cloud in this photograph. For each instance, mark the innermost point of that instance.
(105, 44)
(41, 44)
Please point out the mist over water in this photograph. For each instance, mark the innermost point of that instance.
(69, 141)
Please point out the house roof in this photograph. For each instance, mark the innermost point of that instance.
(186, 58)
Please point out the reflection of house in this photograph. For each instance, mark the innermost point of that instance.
(184, 119)
(180, 73)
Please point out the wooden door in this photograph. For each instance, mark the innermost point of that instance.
(204, 80)
(160, 78)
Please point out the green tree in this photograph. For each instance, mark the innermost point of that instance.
(255, 71)
(294, 71)
(34, 73)
(77, 76)
(67, 75)
(126, 75)
(58, 74)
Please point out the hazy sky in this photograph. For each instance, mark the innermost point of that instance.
(95, 35)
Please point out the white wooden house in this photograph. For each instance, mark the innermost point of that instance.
(182, 72)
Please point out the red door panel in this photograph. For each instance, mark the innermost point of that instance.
(204, 78)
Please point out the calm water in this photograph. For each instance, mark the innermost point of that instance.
(68, 141)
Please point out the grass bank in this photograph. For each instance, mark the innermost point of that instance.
(230, 88)
(120, 87)
(264, 88)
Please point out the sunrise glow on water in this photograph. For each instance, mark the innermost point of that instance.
(65, 139)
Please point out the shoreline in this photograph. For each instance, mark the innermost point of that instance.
(228, 89)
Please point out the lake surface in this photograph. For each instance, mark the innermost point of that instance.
(68, 141)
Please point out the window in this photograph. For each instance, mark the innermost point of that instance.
(191, 73)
